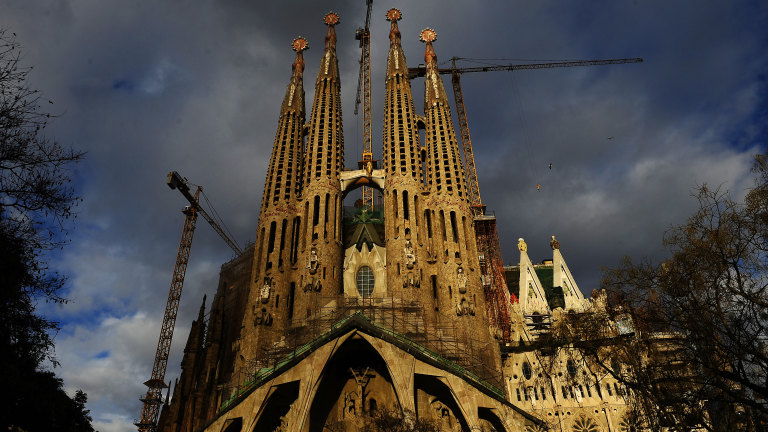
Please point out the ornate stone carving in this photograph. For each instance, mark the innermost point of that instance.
(265, 290)
(410, 256)
(465, 307)
(264, 318)
(431, 254)
(461, 280)
(410, 280)
(313, 285)
(350, 405)
(313, 262)
(554, 244)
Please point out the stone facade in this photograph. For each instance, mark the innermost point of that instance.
(337, 313)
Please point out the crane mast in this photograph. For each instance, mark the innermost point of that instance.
(364, 87)
(473, 186)
(153, 399)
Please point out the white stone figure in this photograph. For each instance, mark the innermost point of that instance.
(265, 290)
(410, 257)
(461, 280)
(314, 261)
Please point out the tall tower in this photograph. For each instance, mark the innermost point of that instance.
(403, 170)
(455, 268)
(276, 244)
(321, 251)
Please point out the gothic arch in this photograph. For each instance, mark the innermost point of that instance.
(351, 180)
(495, 423)
(355, 375)
(274, 412)
(233, 425)
(436, 401)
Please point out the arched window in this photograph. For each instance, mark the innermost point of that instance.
(571, 367)
(527, 370)
(365, 281)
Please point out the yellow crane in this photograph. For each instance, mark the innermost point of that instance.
(364, 89)
(153, 399)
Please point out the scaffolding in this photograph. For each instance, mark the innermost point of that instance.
(451, 345)
(498, 298)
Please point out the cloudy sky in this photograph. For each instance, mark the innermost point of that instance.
(146, 87)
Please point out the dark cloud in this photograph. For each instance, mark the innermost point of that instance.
(147, 87)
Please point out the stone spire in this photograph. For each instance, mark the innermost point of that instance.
(446, 173)
(434, 91)
(320, 216)
(453, 244)
(275, 250)
(294, 94)
(404, 173)
(401, 138)
(395, 58)
(283, 182)
(325, 158)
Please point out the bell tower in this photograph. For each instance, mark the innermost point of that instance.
(320, 259)
(403, 168)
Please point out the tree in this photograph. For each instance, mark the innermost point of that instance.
(689, 335)
(36, 203)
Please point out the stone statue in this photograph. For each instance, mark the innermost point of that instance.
(461, 280)
(521, 245)
(350, 408)
(554, 244)
(410, 257)
(265, 290)
(314, 261)
(265, 318)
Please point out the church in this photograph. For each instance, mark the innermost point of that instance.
(339, 312)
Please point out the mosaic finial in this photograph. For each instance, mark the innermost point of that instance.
(394, 15)
(300, 44)
(428, 35)
(331, 18)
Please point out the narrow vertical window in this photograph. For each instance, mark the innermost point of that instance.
(454, 228)
(405, 205)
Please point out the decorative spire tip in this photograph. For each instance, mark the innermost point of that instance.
(331, 18)
(394, 15)
(428, 35)
(554, 244)
(300, 44)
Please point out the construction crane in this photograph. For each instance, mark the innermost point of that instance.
(469, 159)
(153, 399)
(364, 88)
(489, 249)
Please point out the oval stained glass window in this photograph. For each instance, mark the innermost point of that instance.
(365, 281)
(527, 370)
